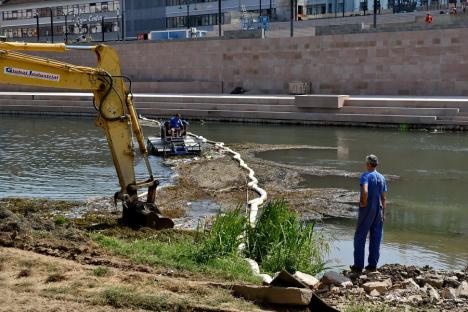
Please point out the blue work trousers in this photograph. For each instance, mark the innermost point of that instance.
(369, 221)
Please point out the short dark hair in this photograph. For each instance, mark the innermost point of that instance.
(372, 160)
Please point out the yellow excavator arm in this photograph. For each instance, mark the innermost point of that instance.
(116, 113)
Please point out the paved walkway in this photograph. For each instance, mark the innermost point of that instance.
(420, 111)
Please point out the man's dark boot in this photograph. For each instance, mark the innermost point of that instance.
(371, 268)
(355, 269)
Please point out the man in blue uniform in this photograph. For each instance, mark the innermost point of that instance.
(371, 216)
(176, 125)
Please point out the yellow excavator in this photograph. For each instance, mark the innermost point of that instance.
(116, 114)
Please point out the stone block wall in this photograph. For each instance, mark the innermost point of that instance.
(427, 62)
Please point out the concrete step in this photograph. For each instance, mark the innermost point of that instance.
(408, 102)
(47, 96)
(214, 106)
(400, 111)
(453, 118)
(291, 116)
(60, 110)
(45, 103)
(217, 99)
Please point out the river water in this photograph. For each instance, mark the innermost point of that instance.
(427, 219)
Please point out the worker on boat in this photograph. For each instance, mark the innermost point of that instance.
(177, 126)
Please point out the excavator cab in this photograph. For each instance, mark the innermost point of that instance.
(116, 115)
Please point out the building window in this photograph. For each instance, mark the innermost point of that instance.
(195, 20)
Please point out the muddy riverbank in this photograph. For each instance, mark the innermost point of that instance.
(218, 178)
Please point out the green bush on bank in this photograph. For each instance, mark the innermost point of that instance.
(224, 236)
(280, 240)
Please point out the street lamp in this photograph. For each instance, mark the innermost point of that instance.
(51, 25)
(66, 25)
(187, 3)
(37, 26)
(219, 17)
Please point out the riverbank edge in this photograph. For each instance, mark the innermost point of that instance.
(344, 124)
(405, 113)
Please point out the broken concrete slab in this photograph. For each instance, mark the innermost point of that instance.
(306, 279)
(449, 293)
(462, 290)
(317, 304)
(274, 295)
(284, 279)
(379, 286)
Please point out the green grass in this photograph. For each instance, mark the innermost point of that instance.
(59, 220)
(281, 241)
(101, 271)
(178, 254)
(119, 297)
(224, 236)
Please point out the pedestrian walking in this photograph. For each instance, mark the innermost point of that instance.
(428, 19)
(371, 216)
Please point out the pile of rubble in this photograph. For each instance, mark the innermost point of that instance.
(392, 285)
(398, 285)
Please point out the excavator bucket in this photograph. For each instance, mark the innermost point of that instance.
(144, 214)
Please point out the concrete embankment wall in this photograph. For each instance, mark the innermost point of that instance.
(396, 63)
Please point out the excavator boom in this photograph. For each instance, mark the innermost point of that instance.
(116, 113)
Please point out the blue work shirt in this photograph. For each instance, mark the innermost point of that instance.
(176, 123)
(376, 185)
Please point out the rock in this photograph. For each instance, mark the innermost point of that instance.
(410, 284)
(462, 290)
(432, 293)
(284, 279)
(253, 265)
(307, 279)
(379, 286)
(451, 281)
(435, 280)
(415, 298)
(6, 240)
(374, 293)
(390, 298)
(460, 274)
(373, 274)
(420, 280)
(266, 279)
(335, 290)
(334, 278)
(449, 293)
(363, 277)
(274, 295)
(347, 284)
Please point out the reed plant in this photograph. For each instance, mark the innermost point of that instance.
(280, 240)
(224, 237)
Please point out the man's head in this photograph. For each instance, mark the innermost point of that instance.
(177, 116)
(371, 162)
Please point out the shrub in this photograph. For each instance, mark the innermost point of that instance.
(281, 241)
(60, 220)
(224, 237)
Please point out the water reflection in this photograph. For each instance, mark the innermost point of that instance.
(60, 158)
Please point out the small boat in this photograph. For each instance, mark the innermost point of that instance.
(183, 145)
(167, 145)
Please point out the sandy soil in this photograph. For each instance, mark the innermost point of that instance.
(36, 282)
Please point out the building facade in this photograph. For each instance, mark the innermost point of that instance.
(73, 20)
(60, 21)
